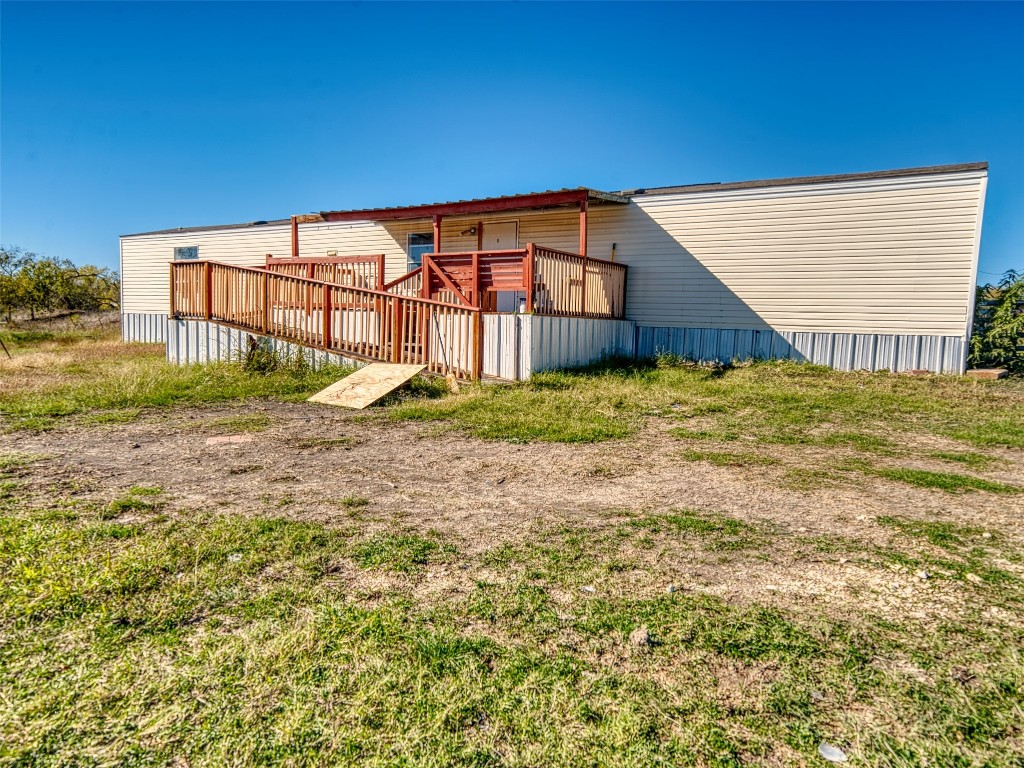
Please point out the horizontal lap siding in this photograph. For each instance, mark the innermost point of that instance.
(883, 257)
(558, 228)
(360, 238)
(145, 258)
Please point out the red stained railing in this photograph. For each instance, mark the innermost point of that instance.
(357, 271)
(563, 283)
(345, 319)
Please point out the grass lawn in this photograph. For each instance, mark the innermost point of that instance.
(92, 377)
(144, 625)
(772, 402)
(208, 639)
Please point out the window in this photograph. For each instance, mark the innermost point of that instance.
(418, 245)
(188, 252)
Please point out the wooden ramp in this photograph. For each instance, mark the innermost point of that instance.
(367, 385)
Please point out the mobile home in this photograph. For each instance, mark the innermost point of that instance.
(859, 271)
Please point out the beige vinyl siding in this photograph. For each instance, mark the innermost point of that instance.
(557, 228)
(145, 258)
(882, 256)
(889, 256)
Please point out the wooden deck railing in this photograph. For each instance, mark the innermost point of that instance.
(475, 274)
(358, 271)
(349, 320)
(563, 283)
(410, 284)
(577, 286)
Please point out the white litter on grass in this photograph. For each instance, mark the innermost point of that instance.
(831, 753)
(235, 557)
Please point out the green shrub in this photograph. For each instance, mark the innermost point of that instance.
(998, 337)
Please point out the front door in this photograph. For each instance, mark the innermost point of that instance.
(502, 236)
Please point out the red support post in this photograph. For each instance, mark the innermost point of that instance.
(474, 297)
(396, 331)
(425, 264)
(583, 227)
(295, 237)
(328, 317)
(208, 290)
(437, 233)
(529, 279)
(266, 302)
(478, 344)
(380, 272)
(310, 271)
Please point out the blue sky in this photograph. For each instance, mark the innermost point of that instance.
(119, 118)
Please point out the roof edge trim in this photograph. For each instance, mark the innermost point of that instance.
(927, 170)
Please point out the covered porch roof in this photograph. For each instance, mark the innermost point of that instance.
(530, 200)
(579, 197)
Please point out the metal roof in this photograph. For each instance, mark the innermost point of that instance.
(211, 228)
(547, 199)
(796, 180)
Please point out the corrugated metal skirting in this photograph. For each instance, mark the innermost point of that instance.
(199, 341)
(144, 326)
(572, 342)
(842, 351)
(517, 345)
(505, 336)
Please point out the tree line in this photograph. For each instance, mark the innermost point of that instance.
(998, 337)
(38, 284)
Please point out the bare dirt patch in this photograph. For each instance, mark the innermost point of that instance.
(305, 461)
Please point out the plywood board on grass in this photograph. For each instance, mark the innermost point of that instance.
(367, 385)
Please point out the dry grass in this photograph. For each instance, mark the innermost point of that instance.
(92, 374)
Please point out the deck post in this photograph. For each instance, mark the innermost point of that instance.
(328, 317)
(583, 290)
(475, 296)
(295, 237)
(309, 289)
(425, 277)
(583, 253)
(396, 331)
(266, 302)
(583, 227)
(174, 289)
(380, 272)
(478, 343)
(528, 278)
(207, 290)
